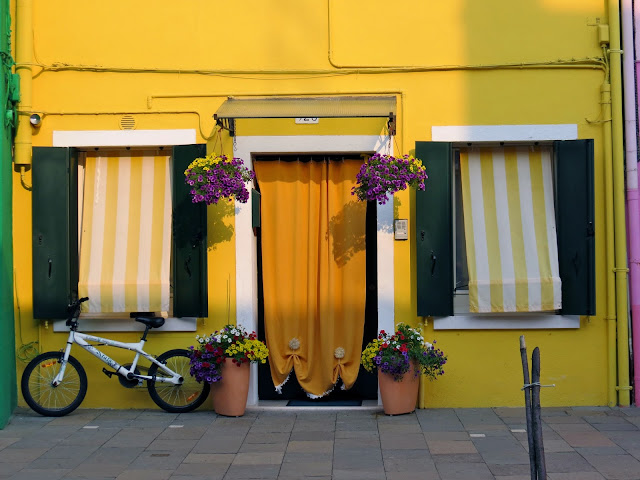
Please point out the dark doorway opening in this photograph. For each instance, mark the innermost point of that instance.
(366, 385)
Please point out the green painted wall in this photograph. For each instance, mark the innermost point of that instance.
(8, 393)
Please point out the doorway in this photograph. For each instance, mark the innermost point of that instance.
(365, 385)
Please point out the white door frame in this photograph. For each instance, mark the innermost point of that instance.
(246, 244)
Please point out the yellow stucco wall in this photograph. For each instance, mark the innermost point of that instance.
(189, 56)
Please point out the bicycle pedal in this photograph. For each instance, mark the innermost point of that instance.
(108, 373)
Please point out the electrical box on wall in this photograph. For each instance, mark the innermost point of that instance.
(401, 229)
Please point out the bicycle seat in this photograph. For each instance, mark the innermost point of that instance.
(151, 322)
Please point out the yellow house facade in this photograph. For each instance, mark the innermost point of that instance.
(288, 82)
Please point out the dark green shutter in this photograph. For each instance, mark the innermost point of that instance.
(434, 239)
(55, 230)
(255, 208)
(189, 240)
(575, 225)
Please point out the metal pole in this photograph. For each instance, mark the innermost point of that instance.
(527, 403)
(541, 466)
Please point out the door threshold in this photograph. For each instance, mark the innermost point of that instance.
(281, 406)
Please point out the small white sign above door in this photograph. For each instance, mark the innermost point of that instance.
(307, 120)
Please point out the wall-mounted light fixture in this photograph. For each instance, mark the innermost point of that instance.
(35, 119)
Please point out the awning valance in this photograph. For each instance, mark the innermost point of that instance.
(306, 107)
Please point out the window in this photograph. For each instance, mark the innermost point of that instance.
(56, 244)
(442, 267)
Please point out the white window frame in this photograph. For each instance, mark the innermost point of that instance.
(246, 246)
(122, 139)
(505, 133)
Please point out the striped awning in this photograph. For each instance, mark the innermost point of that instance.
(510, 230)
(125, 241)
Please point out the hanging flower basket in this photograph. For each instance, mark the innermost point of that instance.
(215, 177)
(383, 175)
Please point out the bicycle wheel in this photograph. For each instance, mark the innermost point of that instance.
(176, 398)
(45, 398)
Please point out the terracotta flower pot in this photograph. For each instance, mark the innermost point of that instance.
(401, 396)
(230, 393)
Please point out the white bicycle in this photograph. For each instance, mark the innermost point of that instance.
(55, 383)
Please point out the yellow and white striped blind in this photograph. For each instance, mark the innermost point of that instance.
(125, 242)
(510, 229)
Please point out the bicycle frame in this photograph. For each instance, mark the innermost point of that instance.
(82, 339)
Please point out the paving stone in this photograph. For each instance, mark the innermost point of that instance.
(609, 427)
(513, 477)
(5, 442)
(358, 460)
(510, 470)
(616, 467)
(171, 445)
(236, 472)
(312, 435)
(566, 463)
(501, 450)
(572, 427)
(145, 475)
(446, 436)
(552, 420)
(267, 437)
(111, 470)
(35, 474)
(20, 455)
(587, 439)
(408, 461)
(400, 429)
(437, 447)
(306, 469)
(218, 444)
(258, 458)
(91, 437)
(457, 458)
(439, 420)
(613, 450)
(356, 434)
(202, 470)
(408, 441)
(224, 458)
(321, 446)
(134, 437)
(165, 460)
(110, 455)
(551, 446)
(8, 469)
(376, 474)
(575, 476)
(307, 457)
(263, 447)
(464, 471)
(413, 475)
(184, 433)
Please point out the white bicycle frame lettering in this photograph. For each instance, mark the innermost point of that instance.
(82, 340)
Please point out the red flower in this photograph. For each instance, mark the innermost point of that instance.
(206, 364)
(208, 347)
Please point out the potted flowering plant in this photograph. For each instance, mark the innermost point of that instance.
(222, 359)
(383, 175)
(400, 358)
(216, 176)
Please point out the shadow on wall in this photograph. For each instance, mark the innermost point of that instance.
(348, 231)
(218, 218)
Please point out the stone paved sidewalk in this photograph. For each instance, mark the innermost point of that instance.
(587, 443)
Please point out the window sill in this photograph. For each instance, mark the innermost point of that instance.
(171, 324)
(506, 322)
